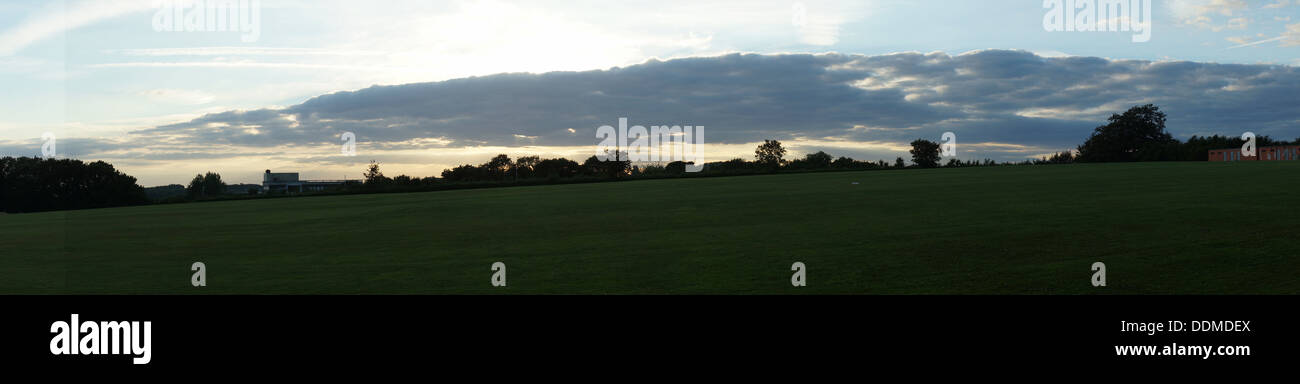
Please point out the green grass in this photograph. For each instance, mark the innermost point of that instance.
(1161, 228)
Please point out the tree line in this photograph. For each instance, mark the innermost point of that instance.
(1138, 134)
(769, 157)
(33, 184)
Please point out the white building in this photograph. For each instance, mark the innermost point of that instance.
(289, 183)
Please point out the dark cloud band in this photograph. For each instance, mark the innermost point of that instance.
(986, 96)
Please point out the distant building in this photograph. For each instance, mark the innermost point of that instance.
(289, 183)
(1278, 153)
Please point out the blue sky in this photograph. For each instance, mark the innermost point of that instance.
(858, 78)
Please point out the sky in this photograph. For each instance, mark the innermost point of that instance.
(427, 85)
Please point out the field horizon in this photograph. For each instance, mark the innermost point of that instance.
(1160, 228)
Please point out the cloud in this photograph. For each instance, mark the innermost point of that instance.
(68, 147)
(1243, 42)
(1204, 14)
(1240, 40)
(1237, 23)
(60, 16)
(1291, 37)
(992, 96)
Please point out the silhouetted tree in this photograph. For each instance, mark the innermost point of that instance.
(1137, 134)
(843, 162)
(615, 166)
(465, 173)
(36, 185)
(675, 168)
(925, 153)
(499, 167)
(770, 154)
(819, 160)
(206, 185)
(557, 168)
(195, 189)
(524, 167)
(372, 176)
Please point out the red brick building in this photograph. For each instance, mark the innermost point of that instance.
(1290, 152)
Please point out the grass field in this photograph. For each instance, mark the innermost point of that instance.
(1161, 228)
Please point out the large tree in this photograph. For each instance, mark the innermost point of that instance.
(206, 185)
(819, 160)
(770, 153)
(373, 176)
(1136, 135)
(925, 153)
(499, 167)
(525, 166)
